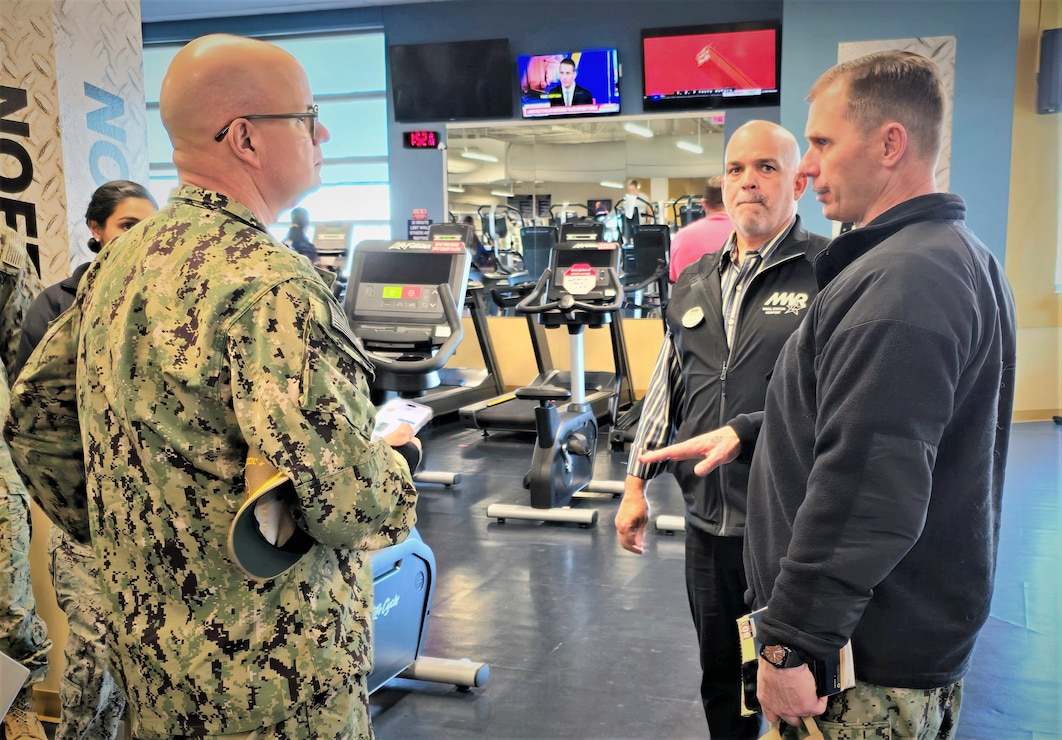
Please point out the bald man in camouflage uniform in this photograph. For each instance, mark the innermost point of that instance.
(203, 339)
(23, 634)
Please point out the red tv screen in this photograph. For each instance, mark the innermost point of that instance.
(711, 66)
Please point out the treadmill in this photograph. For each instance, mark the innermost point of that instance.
(606, 391)
(395, 307)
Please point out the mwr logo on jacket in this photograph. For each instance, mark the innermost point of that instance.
(783, 303)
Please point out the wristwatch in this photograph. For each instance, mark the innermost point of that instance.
(782, 656)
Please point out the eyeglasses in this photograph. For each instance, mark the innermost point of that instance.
(311, 114)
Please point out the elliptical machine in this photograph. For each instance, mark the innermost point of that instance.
(402, 306)
(580, 289)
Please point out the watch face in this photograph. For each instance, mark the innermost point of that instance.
(775, 654)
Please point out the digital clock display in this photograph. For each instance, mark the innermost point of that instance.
(421, 139)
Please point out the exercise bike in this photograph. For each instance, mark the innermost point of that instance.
(580, 289)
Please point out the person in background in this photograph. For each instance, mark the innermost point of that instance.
(729, 314)
(705, 235)
(92, 703)
(636, 207)
(199, 342)
(23, 634)
(875, 490)
(296, 237)
(482, 258)
(566, 92)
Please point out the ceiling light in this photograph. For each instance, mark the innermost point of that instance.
(611, 184)
(634, 128)
(456, 188)
(689, 146)
(477, 154)
(502, 193)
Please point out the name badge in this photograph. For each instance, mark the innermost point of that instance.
(693, 317)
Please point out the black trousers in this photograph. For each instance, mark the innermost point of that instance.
(715, 583)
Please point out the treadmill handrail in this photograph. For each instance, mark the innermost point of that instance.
(446, 349)
(567, 302)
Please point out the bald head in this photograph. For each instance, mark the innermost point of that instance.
(763, 182)
(768, 135)
(217, 80)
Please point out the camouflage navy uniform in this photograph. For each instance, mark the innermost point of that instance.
(23, 634)
(92, 702)
(202, 338)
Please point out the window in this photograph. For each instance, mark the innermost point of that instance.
(353, 105)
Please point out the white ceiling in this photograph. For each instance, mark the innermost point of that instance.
(183, 10)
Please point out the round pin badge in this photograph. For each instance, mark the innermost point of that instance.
(693, 317)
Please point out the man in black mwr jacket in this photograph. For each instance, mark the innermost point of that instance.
(728, 317)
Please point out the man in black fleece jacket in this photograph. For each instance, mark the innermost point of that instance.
(874, 495)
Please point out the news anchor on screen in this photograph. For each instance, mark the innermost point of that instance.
(566, 92)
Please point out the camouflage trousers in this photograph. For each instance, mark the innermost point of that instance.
(869, 712)
(92, 701)
(23, 634)
(343, 716)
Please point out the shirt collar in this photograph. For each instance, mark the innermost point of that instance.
(216, 202)
(769, 247)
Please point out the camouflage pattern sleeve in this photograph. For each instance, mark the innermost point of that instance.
(42, 428)
(306, 406)
(19, 285)
(23, 634)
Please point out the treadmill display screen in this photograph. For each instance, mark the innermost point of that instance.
(405, 268)
(397, 283)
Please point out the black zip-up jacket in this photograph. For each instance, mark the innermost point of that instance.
(51, 302)
(727, 386)
(874, 497)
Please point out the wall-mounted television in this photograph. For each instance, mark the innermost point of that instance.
(451, 80)
(599, 207)
(569, 83)
(723, 65)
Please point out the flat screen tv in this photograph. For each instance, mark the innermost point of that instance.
(599, 207)
(569, 83)
(451, 80)
(723, 65)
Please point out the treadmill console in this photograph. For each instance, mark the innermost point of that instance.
(392, 297)
(580, 269)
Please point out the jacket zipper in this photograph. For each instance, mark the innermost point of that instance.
(726, 366)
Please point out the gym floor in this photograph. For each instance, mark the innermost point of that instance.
(585, 640)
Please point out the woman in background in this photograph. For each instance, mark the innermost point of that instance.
(297, 239)
(92, 702)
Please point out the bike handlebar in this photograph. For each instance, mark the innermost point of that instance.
(567, 302)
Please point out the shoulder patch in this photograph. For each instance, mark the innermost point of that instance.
(339, 323)
(13, 255)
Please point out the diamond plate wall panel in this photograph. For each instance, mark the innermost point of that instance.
(80, 67)
(36, 208)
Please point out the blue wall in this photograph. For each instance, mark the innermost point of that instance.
(986, 33)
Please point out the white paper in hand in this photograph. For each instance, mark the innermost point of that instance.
(398, 410)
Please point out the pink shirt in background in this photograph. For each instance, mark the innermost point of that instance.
(703, 236)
